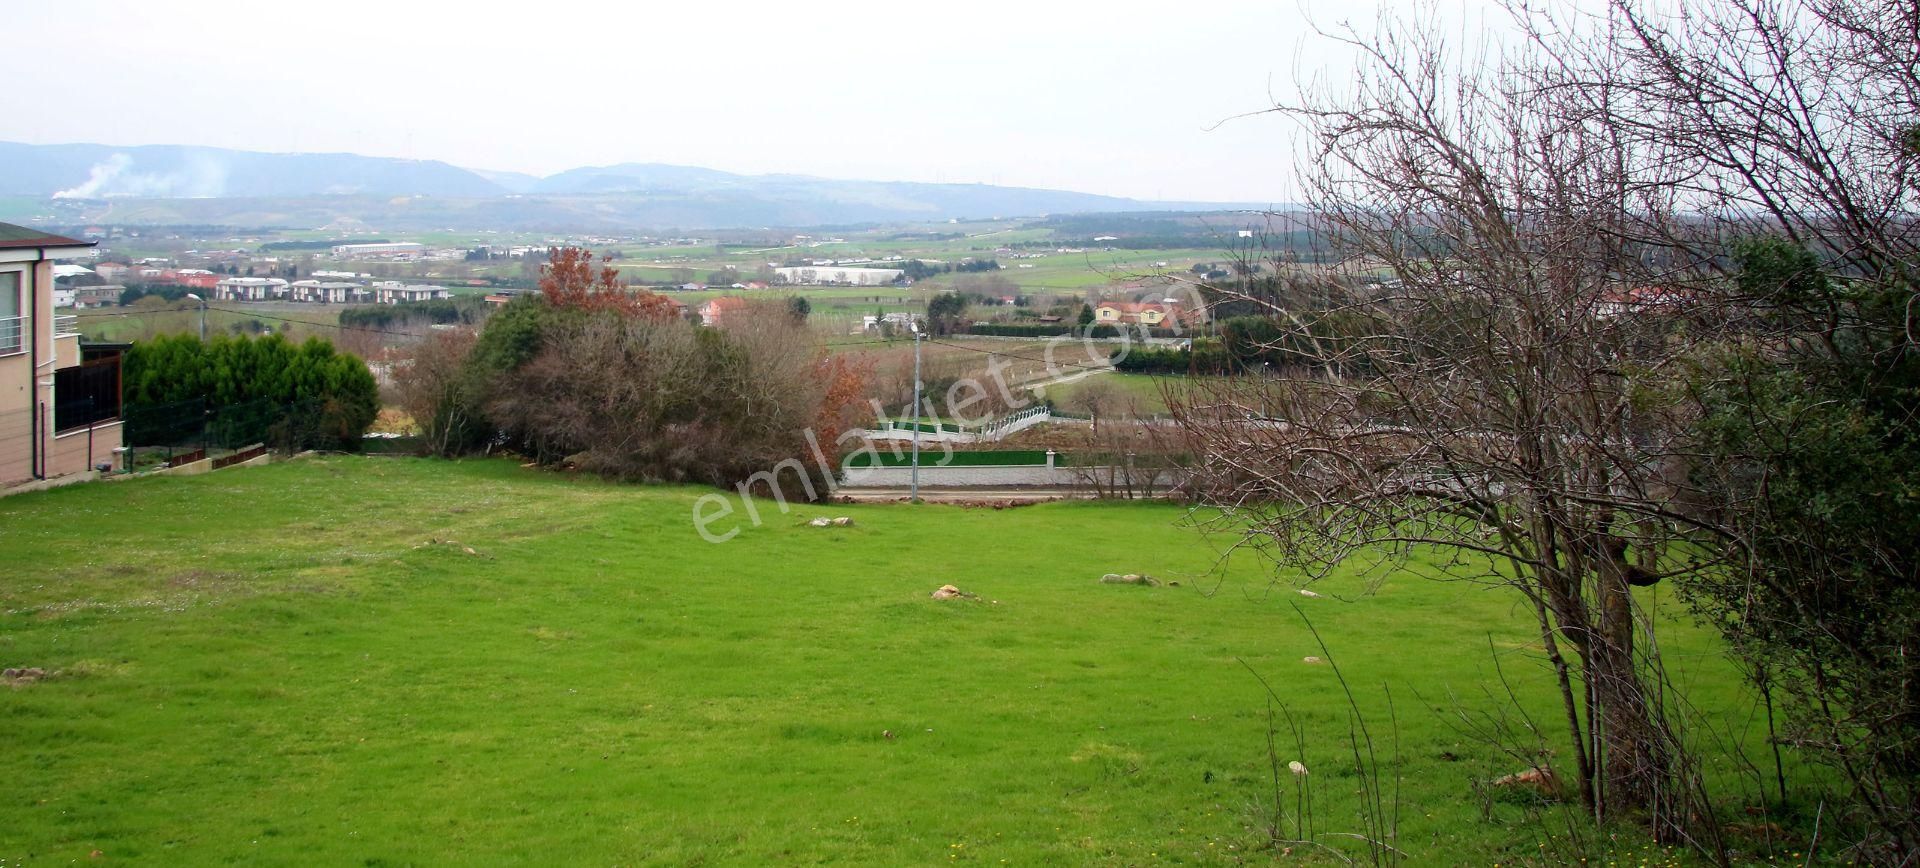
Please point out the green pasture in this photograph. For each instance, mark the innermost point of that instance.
(389, 661)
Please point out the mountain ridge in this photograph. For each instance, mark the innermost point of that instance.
(154, 184)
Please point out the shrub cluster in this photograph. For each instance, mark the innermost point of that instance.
(636, 396)
(309, 394)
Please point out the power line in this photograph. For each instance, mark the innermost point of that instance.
(256, 315)
(1044, 361)
(332, 325)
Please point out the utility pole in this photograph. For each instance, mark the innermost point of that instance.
(914, 491)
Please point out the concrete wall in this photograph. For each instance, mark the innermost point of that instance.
(892, 477)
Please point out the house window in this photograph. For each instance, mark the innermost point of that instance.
(86, 393)
(13, 323)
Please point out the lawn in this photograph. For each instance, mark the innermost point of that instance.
(391, 661)
(1140, 395)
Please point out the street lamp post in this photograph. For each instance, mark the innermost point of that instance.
(914, 488)
(203, 315)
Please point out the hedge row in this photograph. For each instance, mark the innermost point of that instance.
(1052, 330)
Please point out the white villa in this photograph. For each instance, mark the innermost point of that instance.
(393, 292)
(329, 292)
(250, 289)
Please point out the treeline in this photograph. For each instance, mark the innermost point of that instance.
(466, 310)
(305, 395)
(1044, 330)
(139, 291)
(920, 270)
(1251, 343)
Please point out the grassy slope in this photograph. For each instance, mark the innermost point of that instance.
(265, 665)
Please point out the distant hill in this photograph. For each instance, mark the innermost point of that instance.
(179, 183)
(184, 171)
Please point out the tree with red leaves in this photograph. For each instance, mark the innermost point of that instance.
(845, 381)
(570, 279)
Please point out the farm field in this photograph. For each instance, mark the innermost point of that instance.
(402, 661)
(134, 323)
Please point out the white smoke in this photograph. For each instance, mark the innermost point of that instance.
(97, 178)
(200, 177)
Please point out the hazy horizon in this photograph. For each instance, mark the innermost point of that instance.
(1122, 99)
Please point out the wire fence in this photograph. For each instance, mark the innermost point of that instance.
(77, 434)
(197, 428)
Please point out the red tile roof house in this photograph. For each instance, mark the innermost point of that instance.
(59, 401)
(1149, 313)
(713, 311)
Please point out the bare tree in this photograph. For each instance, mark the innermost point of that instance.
(1100, 397)
(1795, 125)
(433, 387)
(1495, 401)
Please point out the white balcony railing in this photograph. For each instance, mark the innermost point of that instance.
(13, 333)
(66, 326)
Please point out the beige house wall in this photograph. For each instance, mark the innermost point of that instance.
(16, 419)
(77, 451)
(26, 395)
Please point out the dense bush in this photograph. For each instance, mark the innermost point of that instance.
(438, 311)
(1248, 343)
(621, 392)
(139, 291)
(308, 394)
(1206, 357)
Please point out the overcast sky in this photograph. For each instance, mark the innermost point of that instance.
(1123, 98)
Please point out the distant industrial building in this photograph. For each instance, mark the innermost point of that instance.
(838, 276)
(383, 250)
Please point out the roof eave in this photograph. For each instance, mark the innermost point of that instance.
(44, 252)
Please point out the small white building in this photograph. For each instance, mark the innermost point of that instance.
(97, 296)
(900, 322)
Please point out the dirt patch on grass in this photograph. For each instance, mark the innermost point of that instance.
(20, 676)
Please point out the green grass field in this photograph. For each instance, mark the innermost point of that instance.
(1140, 394)
(305, 664)
(138, 323)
